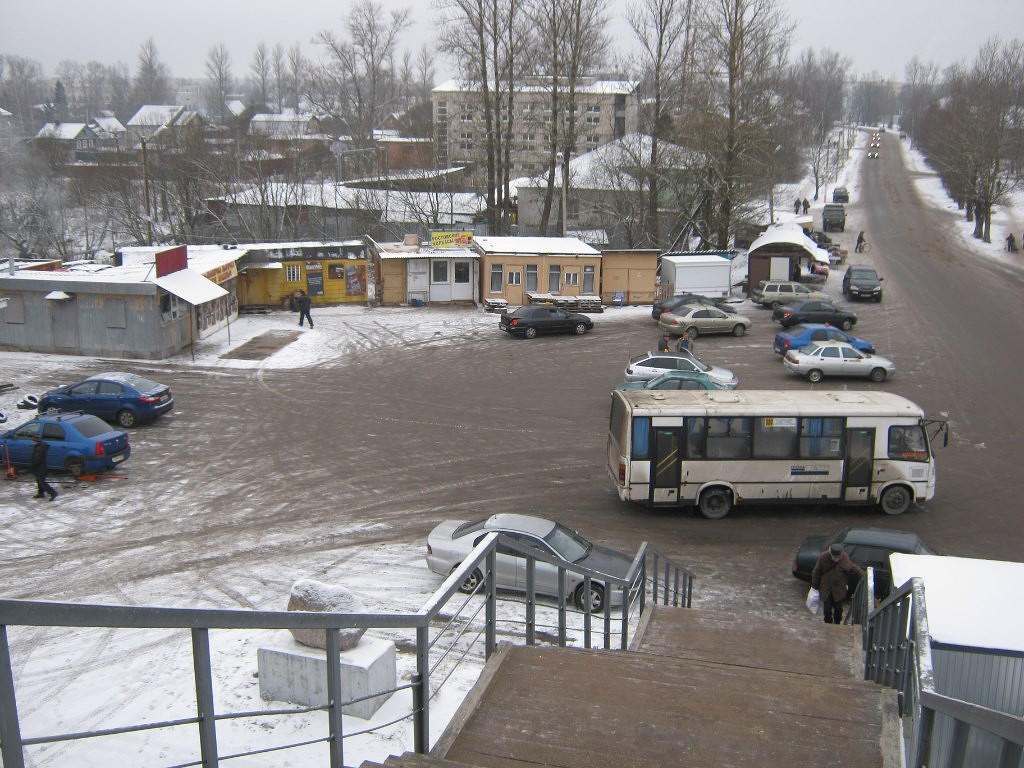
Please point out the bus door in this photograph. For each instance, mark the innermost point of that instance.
(666, 455)
(858, 468)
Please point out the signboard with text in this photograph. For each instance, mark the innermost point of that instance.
(444, 239)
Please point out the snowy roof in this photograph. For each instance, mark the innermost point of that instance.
(5, 113)
(235, 106)
(966, 599)
(155, 115)
(140, 271)
(61, 131)
(109, 124)
(791, 234)
(527, 245)
(697, 258)
(283, 125)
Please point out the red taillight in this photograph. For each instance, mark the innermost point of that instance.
(149, 399)
(514, 323)
(100, 450)
(622, 473)
(785, 343)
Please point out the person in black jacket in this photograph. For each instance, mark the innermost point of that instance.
(302, 305)
(37, 465)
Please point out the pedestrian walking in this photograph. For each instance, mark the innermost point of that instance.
(664, 343)
(302, 305)
(685, 343)
(1011, 243)
(796, 206)
(37, 466)
(807, 206)
(831, 577)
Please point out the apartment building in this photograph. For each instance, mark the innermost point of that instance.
(606, 110)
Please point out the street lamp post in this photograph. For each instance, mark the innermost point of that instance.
(145, 189)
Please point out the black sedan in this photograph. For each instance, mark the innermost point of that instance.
(814, 312)
(866, 547)
(532, 319)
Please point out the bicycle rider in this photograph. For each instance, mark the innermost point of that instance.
(859, 248)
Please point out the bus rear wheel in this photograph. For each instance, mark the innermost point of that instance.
(895, 500)
(715, 503)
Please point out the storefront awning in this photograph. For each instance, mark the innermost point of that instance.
(190, 286)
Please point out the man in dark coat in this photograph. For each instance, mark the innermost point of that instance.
(831, 577)
(37, 465)
(303, 304)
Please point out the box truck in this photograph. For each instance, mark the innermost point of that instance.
(704, 273)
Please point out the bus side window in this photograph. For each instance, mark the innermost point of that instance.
(695, 433)
(908, 443)
(641, 440)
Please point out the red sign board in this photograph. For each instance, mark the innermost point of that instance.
(170, 261)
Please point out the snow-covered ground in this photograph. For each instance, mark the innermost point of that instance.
(64, 666)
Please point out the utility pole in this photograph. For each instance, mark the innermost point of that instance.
(145, 188)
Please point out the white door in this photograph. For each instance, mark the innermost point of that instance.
(418, 279)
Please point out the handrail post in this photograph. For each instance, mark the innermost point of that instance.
(562, 612)
(531, 601)
(204, 696)
(334, 698)
(587, 643)
(10, 730)
(421, 692)
(492, 603)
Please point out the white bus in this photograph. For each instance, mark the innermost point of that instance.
(716, 449)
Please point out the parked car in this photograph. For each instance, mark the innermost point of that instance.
(840, 195)
(532, 319)
(866, 547)
(674, 380)
(672, 302)
(801, 335)
(862, 282)
(123, 398)
(774, 293)
(647, 366)
(814, 311)
(698, 319)
(450, 542)
(837, 358)
(79, 443)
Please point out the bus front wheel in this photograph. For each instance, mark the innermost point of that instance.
(715, 503)
(895, 500)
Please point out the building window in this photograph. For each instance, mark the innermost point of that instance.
(467, 113)
(589, 274)
(572, 278)
(439, 271)
(593, 139)
(497, 272)
(442, 109)
(593, 119)
(515, 277)
(594, 108)
(172, 308)
(293, 273)
(554, 278)
(532, 279)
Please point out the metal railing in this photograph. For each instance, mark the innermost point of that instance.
(897, 654)
(446, 629)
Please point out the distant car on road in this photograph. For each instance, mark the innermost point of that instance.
(674, 380)
(450, 542)
(840, 195)
(530, 320)
(801, 335)
(700, 319)
(873, 154)
(814, 312)
(79, 443)
(651, 364)
(866, 547)
(123, 398)
(837, 358)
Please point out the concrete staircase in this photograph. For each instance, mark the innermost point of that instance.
(699, 689)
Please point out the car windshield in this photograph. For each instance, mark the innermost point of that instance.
(91, 426)
(567, 543)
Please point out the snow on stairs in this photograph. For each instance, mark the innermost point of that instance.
(699, 689)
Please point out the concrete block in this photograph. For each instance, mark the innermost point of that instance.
(298, 674)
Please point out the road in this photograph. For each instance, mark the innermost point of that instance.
(263, 474)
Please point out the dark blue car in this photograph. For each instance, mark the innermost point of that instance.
(804, 333)
(78, 443)
(121, 398)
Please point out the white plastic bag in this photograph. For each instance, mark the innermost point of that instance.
(813, 601)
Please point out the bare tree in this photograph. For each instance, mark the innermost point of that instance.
(279, 70)
(917, 92)
(296, 73)
(219, 82)
(818, 83)
(152, 78)
(71, 75)
(23, 87)
(261, 70)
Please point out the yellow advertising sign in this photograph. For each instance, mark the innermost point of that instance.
(442, 239)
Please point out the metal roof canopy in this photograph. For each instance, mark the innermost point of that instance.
(191, 286)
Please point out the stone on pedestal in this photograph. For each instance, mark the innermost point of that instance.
(314, 596)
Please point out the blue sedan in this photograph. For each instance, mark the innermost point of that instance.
(122, 398)
(78, 443)
(803, 334)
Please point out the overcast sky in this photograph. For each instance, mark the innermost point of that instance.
(879, 36)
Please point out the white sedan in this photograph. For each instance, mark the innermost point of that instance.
(452, 540)
(837, 358)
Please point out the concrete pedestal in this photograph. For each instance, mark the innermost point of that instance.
(297, 673)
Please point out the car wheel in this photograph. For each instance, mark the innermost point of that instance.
(814, 376)
(776, 305)
(596, 598)
(126, 418)
(878, 374)
(715, 503)
(531, 333)
(472, 582)
(847, 324)
(74, 466)
(580, 329)
(739, 330)
(693, 332)
(895, 500)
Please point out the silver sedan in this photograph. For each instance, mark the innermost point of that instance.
(700, 319)
(837, 358)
